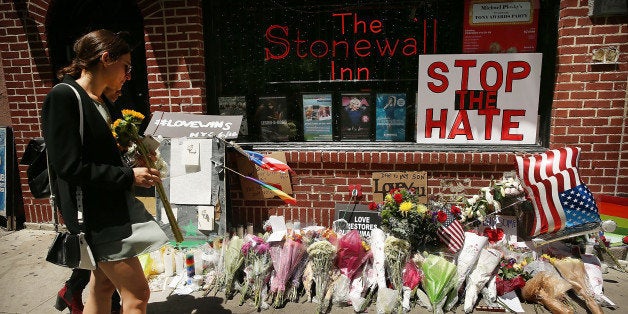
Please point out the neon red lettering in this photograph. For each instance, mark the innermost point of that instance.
(277, 40)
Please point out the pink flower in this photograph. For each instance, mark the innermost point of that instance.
(411, 275)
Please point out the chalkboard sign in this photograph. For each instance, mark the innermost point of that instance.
(358, 217)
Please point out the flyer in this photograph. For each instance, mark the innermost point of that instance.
(356, 116)
(317, 124)
(271, 114)
(390, 113)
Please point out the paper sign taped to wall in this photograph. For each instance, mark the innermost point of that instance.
(191, 185)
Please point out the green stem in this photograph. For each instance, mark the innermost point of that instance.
(162, 194)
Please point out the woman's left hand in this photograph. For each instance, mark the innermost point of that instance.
(146, 177)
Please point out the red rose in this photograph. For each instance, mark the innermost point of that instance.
(441, 216)
(372, 206)
(625, 240)
(398, 198)
(455, 210)
(494, 235)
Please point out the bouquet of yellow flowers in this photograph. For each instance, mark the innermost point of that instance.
(126, 132)
(405, 218)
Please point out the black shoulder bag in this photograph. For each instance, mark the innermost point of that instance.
(68, 249)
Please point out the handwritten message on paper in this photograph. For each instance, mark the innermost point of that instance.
(176, 124)
(383, 182)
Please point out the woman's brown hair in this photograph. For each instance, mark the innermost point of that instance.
(89, 48)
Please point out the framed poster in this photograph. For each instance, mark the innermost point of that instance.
(494, 26)
(478, 98)
(390, 117)
(355, 117)
(234, 106)
(271, 114)
(317, 117)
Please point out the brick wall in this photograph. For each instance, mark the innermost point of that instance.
(589, 108)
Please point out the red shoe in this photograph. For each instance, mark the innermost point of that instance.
(67, 299)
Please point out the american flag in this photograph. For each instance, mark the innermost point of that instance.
(540, 167)
(451, 232)
(561, 201)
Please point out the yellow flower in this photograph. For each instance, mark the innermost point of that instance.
(365, 246)
(421, 209)
(389, 198)
(116, 123)
(405, 207)
(132, 113)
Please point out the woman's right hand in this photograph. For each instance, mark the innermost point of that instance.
(146, 177)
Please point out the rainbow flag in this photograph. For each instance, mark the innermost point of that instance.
(285, 197)
(615, 208)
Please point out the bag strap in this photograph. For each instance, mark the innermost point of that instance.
(79, 192)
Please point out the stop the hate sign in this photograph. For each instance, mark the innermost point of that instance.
(478, 99)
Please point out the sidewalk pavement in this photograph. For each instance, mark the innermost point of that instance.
(28, 284)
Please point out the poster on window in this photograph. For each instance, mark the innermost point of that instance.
(478, 99)
(494, 26)
(356, 117)
(234, 106)
(271, 113)
(390, 117)
(317, 117)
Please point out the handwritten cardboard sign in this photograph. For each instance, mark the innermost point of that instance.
(383, 182)
(177, 124)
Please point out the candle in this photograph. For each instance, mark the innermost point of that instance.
(189, 264)
(168, 263)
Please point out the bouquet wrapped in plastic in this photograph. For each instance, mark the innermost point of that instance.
(397, 252)
(377, 242)
(550, 290)
(285, 259)
(480, 275)
(467, 258)
(411, 280)
(321, 255)
(573, 271)
(351, 255)
(439, 278)
(258, 266)
(233, 261)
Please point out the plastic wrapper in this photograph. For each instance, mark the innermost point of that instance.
(467, 259)
(351, 254)
(573, 271)
(592, 265)
(285, 260)
(387, 300)
(480, 275)
(233, 261)
(505, 286)
(376, 241)
(550, 290)
(489, 292)
(439, 275)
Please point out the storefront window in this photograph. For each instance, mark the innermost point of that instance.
(328, 71)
